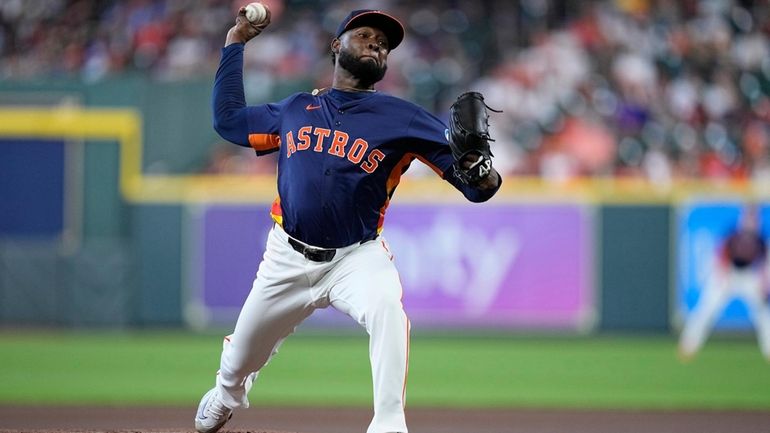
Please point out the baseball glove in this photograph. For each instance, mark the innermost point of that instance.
(469, 135)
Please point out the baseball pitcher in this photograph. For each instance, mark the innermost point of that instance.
(342, 151)
(740, 270)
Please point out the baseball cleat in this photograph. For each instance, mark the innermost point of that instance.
(212, 413)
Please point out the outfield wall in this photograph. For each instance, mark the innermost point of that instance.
(104, 223)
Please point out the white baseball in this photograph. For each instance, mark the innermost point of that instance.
(256, 12)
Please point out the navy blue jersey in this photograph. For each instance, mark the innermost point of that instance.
(744, 248)
(341, 156)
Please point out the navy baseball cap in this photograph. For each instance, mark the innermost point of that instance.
(389, 25)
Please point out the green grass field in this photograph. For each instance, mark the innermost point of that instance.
(150, 368)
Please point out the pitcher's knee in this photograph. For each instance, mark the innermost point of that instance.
(387, 306)
(386, 311)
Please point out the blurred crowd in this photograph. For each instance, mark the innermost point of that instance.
(644, 88)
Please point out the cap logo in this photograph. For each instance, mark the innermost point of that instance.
(392, 27)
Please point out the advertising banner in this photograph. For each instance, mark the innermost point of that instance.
(512, 266)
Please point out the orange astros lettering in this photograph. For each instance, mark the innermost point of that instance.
(337, 146)
(321, 133)
(339, 142)
(357, 151)
(290, 148)
(373, 161)
(303, 135)
(310, 107)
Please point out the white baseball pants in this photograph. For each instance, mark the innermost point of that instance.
(360, 281)
(721, 288)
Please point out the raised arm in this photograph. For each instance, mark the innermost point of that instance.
(228, 100)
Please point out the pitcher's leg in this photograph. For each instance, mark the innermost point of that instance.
(762, 323)
(265, 321)
(700, 320)
(753, 294)
(279, 300)
(388, 328)
(368, 289)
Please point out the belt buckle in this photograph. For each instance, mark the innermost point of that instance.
(318, 255)
(313, 254)
(308, 253)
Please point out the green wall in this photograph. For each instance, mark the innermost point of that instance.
(634, 274)
(124, 267)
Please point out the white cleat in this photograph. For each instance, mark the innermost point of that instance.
(212, 413)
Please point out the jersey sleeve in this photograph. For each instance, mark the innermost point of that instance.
(263, 122)
(432, 148)
(256, 126)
